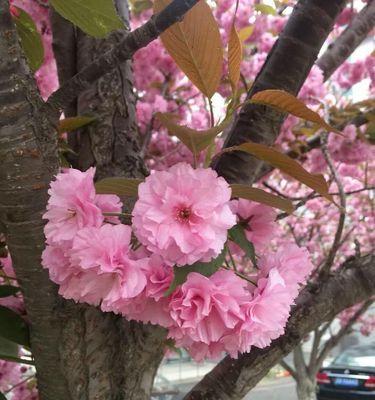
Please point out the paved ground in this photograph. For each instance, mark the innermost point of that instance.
(283, 389)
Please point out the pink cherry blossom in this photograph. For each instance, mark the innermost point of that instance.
(104, 252)
(183, 214)
(258, 221)
(207, 310)
(349, 149)
(71, 205)
(150, 306)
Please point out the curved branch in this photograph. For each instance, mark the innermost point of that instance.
(134, 41)
(355, 282)
(348, 41)
(335, 339)
(286, 67)
(288, 368)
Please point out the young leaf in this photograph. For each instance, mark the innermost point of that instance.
(119, 186)
(13, 327)
(16, 360)
(238, 236)
(8, 348)
(246, 32)
(195, 140)
(286, 165)
(260, 196)
(137, 6)
(234, 57)
(73, 123)
(206, 269)
(265, 9)
(195, 46)
(2, 396)
(95, 17)
(31, 41)
(8, 290)
(286, 102)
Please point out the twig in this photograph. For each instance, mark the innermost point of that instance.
(239, 274)
(134, 41)
(340, 226)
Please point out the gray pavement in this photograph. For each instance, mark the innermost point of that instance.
(283, 389)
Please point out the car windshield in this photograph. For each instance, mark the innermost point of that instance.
(357, 358)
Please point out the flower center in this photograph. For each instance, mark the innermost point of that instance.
(183, 214)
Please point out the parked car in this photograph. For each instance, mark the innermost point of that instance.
(351, 376)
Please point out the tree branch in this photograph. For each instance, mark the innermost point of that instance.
(313, 142)
(348, 41)
(134, 41)
(232, 379)
(340, 225)
(286, 67)
(344, 330)
(288, 368)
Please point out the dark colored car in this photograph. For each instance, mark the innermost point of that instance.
(351, 376)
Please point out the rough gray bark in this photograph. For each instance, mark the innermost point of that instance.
(306, 386)
(286, 67)
(115, 359)
(80, 353)
(348, 41)
(233, 379)
(28, 161)
(132, 42)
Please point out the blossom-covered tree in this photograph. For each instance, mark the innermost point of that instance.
(153, 192)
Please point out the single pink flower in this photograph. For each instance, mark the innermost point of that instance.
(109, 203)
(183, 214)
(71, 206)
(105, 250)
(150, 306)
(207, 310)
(258, 221)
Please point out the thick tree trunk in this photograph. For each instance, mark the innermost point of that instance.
(28, 161)
(129, 352)
(306, 388)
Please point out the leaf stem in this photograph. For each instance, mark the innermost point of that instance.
(212, 117)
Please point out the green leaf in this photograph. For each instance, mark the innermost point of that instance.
(9, 352)
(137, 6)
(206, 269)
(8, 348)
(260, 196)
(2, 397)
(195, 140)
(30, 38)
(265, 9)
(285, 164)
(119, 186)
(73, 123)
(8, 290)
(13, 327)
(95, 17)
(18, 360)
(238, 236)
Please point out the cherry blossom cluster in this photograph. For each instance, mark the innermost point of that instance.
(181, 218)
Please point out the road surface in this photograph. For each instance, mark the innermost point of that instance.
(282, 389)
